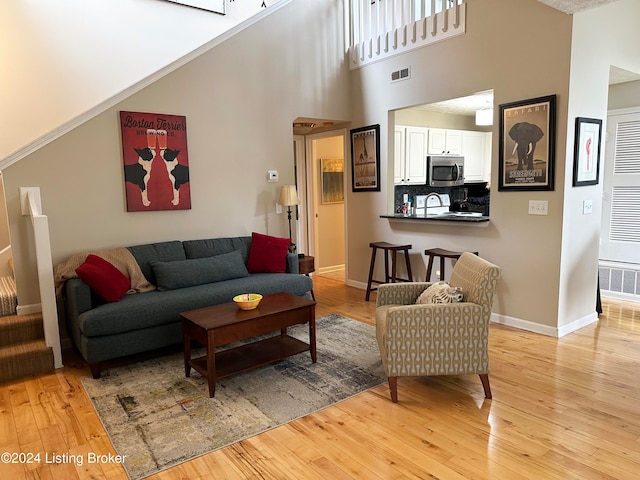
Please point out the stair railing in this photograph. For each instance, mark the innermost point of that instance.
(382, 28)
(31, 206)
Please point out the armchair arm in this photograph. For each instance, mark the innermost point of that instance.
(404, 293)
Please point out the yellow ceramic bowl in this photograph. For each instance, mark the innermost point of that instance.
(247, 301)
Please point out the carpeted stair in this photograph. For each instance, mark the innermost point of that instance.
(23, 350)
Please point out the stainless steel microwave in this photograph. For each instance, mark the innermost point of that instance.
(445, 170)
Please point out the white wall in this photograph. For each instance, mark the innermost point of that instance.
(64, 59)
(239, 101)
(601, 37)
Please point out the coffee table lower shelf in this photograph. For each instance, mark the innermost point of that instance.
(246, 357)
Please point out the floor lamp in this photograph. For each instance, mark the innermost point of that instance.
(288, 198)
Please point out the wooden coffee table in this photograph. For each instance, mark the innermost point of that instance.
(222, 324)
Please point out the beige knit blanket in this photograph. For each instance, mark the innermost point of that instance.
(119, 257)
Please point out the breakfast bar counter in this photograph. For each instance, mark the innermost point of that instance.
(449, 218)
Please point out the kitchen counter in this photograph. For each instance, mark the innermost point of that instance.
(457, 218)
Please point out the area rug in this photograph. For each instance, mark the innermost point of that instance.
(158, 418)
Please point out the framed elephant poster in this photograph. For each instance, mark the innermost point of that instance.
(527, 144)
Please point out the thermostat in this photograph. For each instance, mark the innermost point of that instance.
(272, 175)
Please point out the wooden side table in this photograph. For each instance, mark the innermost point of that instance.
(306, 265)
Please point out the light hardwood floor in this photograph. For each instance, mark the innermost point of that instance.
(562, 409)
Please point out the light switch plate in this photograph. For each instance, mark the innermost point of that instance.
(278, 208)
(538, 207)
(587, 207)
(272, 175)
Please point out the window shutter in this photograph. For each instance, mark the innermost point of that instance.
(625, 200)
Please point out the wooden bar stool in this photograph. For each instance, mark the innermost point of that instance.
(388, 278)
(442, 253)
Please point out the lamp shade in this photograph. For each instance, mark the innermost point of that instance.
(288, 196)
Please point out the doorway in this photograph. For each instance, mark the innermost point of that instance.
(619, 270)
(320, 178)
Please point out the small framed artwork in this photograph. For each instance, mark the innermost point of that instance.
(586, 153)
(332, 170)
(527, 144)
(365, 159)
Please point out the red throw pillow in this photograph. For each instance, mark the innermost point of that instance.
(105, 279)
(267, 254)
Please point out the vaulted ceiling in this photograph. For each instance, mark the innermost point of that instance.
(574, 6)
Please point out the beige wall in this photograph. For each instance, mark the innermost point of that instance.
(69, 60)
(549, 262)
(239, 101)
(624, 95)
(239, 116)
(501, 50)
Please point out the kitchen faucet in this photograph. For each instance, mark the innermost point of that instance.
(433, 194)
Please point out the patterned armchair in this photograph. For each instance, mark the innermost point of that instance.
(442, 338)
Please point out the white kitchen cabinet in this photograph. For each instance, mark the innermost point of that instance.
(445, 141)
(476, 149)
(410, 155)
(474, 146)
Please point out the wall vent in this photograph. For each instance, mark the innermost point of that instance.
(620, 280)
(401, 74)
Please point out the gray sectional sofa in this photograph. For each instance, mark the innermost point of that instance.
(189, 274)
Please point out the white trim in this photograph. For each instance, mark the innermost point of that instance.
(623, 111)
(330, 269)
(577, 324)
(29, 309)
(544, 329)
(628, 297)
(356, 284)
(618, 265)
(524, 325)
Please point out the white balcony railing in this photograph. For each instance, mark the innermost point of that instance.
(382, 28)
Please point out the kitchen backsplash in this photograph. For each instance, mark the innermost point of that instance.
(477, 198)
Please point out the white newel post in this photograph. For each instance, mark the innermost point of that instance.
(31, 206)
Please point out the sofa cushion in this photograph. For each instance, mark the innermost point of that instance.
(198, 271)
(268, 254)
(215, 246)
(158, 252)
(105, 279)
(150, 309)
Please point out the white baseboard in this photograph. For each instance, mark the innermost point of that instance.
(355, 284)
(330, 269)
(620, 296)
(577, 324)
(556, 332)
(29, 309)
